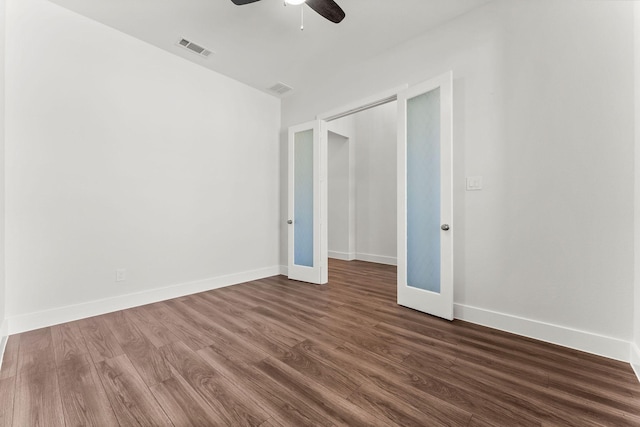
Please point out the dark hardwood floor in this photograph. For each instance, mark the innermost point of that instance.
(280, 353)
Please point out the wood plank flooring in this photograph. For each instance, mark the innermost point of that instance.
(279, 353)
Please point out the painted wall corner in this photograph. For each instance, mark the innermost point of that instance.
(4, 336)
(635, 359)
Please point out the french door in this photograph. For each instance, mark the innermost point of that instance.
(425, 197)
(307, 219)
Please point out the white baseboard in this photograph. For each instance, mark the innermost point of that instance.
(635, 359)
(612, 348)
(379, 259)
(4, 336)
(345, 256)
(31, 321)
(284, 270)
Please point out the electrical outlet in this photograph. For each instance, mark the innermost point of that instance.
(120, 274)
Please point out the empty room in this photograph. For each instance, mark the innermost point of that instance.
(325, 213)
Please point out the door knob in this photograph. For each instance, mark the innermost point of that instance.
(444, 227)
(289, 222)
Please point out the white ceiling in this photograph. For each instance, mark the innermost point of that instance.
(261, 43)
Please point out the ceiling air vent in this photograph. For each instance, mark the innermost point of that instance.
(194, 47)
(280, 88)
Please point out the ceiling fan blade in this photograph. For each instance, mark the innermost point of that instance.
(241, 2)
(327, 8)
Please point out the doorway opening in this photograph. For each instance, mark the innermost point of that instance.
(362, 185)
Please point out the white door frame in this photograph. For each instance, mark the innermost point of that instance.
(351, 108)
(350, 255)
(363, 104)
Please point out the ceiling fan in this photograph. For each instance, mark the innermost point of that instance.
(327, 8)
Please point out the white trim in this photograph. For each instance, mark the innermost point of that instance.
(351, 216)
(284, 270)
(31, 321)
(635, 359)
(345, 256)
(379, 259)
(353, 195)
(600, 345)
(363, 104)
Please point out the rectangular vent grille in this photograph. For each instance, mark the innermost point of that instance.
(194, 48)
(280, 88)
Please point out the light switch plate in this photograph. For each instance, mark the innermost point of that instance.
(474, 183)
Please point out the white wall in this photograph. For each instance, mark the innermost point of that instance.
(635, 350)
(338, 197)
(376, 132)
(543, 110)
(121, 155)
(3, 322)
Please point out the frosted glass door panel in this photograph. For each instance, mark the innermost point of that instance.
(303, 198)
(423, 191)
(425, 196)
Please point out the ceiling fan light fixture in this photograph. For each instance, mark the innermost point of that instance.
(328, 9)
